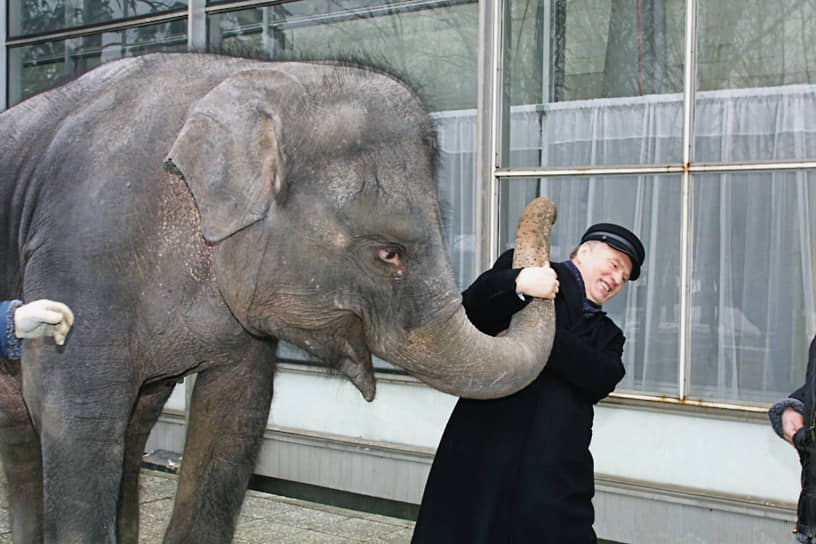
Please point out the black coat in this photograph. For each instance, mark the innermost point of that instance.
(805, 442)
(518, 469)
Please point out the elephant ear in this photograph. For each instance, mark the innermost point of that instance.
(229, 151)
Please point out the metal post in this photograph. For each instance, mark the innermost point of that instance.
(196, 25)
(485, 231)
(687, 219)
(3, 56)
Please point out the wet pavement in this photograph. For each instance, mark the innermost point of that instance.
(264, 518)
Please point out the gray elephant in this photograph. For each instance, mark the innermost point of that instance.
(193, 210)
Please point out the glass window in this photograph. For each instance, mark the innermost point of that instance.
(598, 83)
(609, 85)
(33, 68)
(756, 70)
(647, 309)
(433, 45)
(36, 17)
(755, 44)
(753, 298)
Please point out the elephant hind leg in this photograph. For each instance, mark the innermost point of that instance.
(22, 459)
(145, 414)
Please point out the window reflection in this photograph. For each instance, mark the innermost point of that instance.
(34, 68)
(433, 45)
(755, 44)
(607, 71)
(35, 17)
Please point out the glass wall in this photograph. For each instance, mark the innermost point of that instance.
(753, 292)
(594, 82)
(756, 73)
(39, 17)
(594, 86)
(604, 87)
(39, 66)
(433, 45)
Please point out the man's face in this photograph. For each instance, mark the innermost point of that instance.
(604, 270)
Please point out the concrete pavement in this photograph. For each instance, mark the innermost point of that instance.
(264, 519)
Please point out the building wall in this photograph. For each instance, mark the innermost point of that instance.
(674, 474)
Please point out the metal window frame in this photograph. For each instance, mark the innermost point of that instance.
(492, 126)
(4, 67)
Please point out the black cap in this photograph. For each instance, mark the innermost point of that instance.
(619, 238)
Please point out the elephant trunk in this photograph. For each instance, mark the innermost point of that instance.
(450, 354)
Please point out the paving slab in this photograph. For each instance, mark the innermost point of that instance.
(264, 519)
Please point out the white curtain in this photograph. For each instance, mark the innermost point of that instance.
(752, 291)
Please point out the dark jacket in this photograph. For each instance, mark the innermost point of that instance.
(518, 469)
(802, 400)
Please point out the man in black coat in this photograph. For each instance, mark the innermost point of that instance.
(793, 419)
(518, 469)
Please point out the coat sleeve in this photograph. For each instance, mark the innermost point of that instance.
(593, 370)
(10, 345)
(795, 400)
(491, 300)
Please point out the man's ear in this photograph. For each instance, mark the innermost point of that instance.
(582, 251)
(229, 151)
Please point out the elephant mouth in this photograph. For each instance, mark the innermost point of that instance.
(340, 343)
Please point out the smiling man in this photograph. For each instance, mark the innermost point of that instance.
(518, 469)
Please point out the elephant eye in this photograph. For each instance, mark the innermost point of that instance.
(390, 255)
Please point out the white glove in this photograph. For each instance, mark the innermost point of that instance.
(43, 318)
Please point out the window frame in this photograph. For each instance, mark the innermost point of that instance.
(493, 129)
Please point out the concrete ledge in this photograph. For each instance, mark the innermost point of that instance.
(632, 511)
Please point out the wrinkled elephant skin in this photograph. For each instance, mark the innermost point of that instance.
(193, 210)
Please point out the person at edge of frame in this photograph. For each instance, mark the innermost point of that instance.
(41, 317)
(518, 469)
(792, 418)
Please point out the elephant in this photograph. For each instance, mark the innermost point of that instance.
(194, 210)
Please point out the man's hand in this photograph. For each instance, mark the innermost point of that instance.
(43, 318)
(792, 421)
(537, 281)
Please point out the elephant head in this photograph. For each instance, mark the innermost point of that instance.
(315, 183)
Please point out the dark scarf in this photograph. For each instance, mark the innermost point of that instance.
(590, 308)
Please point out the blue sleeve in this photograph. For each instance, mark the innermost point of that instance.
(10, 345)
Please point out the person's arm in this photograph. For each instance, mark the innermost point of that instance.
(498, 293)
(491, 299)
(594, 371)
(788, 415)
(38, 318)
(9, 344)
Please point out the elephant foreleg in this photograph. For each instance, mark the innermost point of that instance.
(228, 414)
(147, 410)
(82, 425)
(22, 459)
